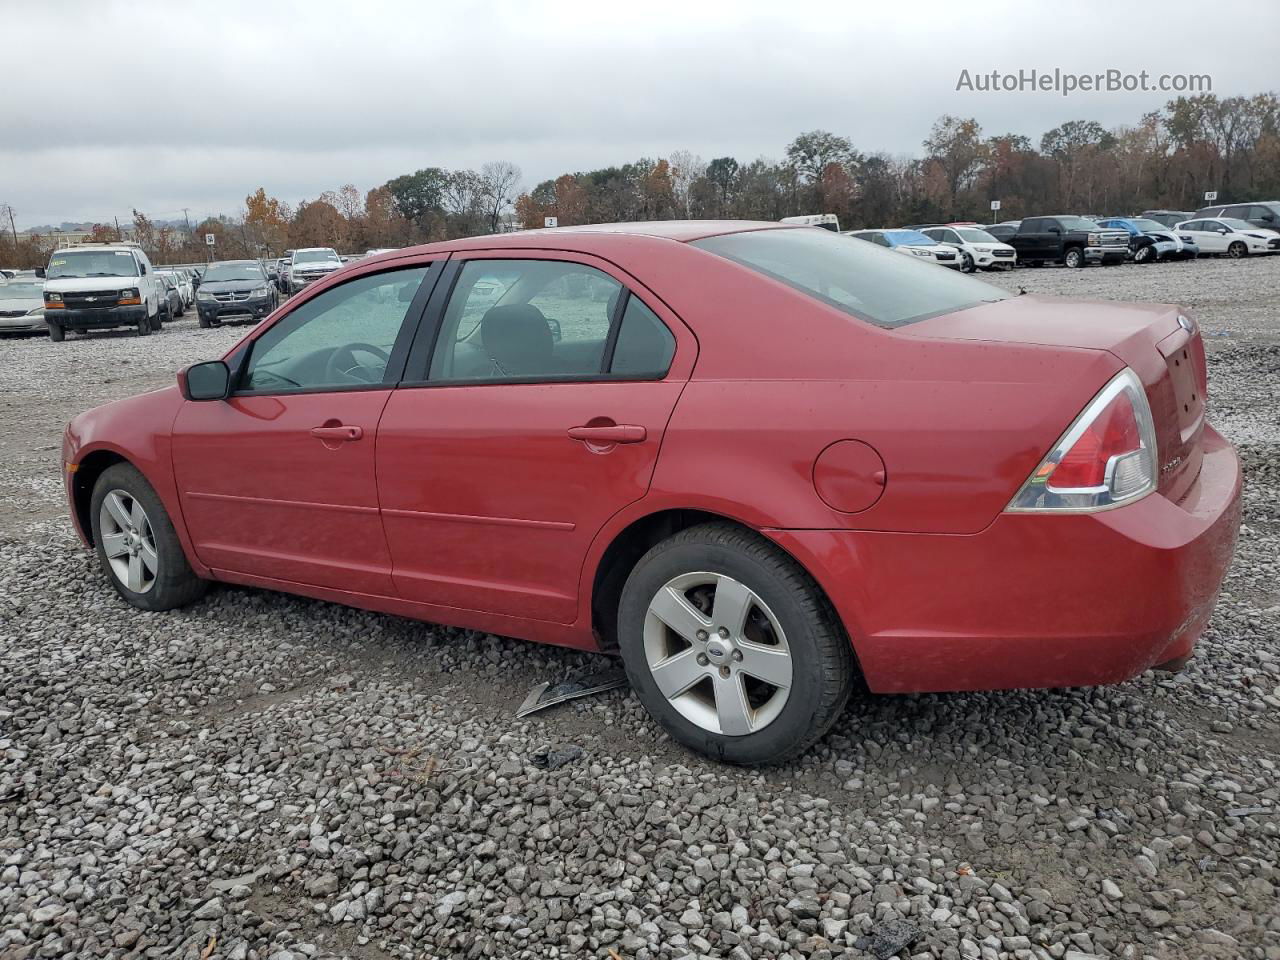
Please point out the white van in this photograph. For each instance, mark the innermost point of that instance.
(93, 286)
(827, 221)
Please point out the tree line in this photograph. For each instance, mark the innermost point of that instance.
(1168, 159)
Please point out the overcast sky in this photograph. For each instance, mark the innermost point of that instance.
(110, 106)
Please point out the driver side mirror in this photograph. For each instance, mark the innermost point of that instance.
(554, 325)
(143, 268)
(210, 380)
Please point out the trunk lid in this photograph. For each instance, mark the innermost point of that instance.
(1148, 337)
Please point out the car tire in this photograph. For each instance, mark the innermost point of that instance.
(789, 631)
(144, 326)
(1144, 254)
(966, 263)
(1237, 250)
(157, 320)
(57, 332)
(205, 322)
(1073, 258)
(136, 543)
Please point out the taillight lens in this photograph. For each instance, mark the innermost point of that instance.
(1106, 458)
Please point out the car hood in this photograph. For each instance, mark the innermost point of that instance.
(1261, 233)
(231, 286)
(325, 266)
(16, 303)
(77, 284)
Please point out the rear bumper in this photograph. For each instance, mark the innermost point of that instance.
(1034, 600)
(81, 319)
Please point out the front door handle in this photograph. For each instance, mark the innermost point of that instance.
(612, 433)
(331, 432)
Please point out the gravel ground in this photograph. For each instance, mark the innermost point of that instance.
(272, 777)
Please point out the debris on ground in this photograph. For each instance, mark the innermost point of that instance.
(888, 939)
(557, 757)
(546, 695)
(1250, 811)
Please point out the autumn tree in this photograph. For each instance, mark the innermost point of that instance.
(266, 221)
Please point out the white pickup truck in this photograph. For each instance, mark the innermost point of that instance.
(93, 286)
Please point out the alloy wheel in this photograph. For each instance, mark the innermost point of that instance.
(717, 653)
(128, 541)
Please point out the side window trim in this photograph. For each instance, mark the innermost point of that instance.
(417, 369)
(399, 351)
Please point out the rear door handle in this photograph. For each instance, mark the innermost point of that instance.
(337, 433)
(614, 433)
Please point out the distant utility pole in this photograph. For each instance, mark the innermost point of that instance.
(186, 219)
(13, 227)
(118, 236)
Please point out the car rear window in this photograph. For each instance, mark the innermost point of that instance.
(865, 281)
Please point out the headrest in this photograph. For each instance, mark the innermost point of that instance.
(516, 336)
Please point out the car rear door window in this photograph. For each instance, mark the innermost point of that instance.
(344, 338)
(546, 320)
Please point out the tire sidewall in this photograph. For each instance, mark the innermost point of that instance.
(1074, 258)
(795, 722)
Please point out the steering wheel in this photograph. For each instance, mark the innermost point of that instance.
(342, 363)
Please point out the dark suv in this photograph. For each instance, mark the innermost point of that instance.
(1262, 213)
(235, 290)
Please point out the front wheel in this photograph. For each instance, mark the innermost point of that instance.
(732, 647)
(1074, 258)
(966, 263)
(137, 545)
(1237, 250)
(147, 324)
(57, 332)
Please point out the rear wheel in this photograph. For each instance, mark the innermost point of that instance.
(1074, 258)
(136, 543)
(1237, 250)
(732, 647)
(57, 332)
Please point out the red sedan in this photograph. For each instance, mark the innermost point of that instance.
(756, 460)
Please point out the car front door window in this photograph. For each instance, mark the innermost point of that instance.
(345, 338)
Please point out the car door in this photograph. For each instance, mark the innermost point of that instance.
(1212, 236)
(538, 416)
(277, 481)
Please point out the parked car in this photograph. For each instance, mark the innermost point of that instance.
(1264, 213)
(914, 528)
(1168, 218)
(183, 285)
(1070, 240)
(22, 305)
(978, 249)
(311, 264)
(170, 298)
(1003, 231)
(235, 290)
(1150, 241)
(1230, 237)
(911, 242)
(282, 278)
(101, 285)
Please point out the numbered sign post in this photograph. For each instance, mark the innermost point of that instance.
(551, 221)
(1210, 196)
(995, 205)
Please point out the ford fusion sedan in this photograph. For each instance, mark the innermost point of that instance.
(310, 264)
(913, 243)
(22, 306)
(235, 290)
(762, 463)
(1226, 236)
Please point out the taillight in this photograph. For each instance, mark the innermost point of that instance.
(1106, 458)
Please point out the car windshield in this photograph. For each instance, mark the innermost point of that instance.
(21, 290)
(975, 236)
(862, 279)
(908, 238)
(233, 271)
(1235, 224)
(1076, 223)
(92, 263)
(315, 256)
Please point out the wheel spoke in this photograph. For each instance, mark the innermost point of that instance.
(139, 515)
(150, 560)
(770, 664)
(113, 545)
(732, 708)
(677, 673)
(676, 612)
(134, 580)
(732, 601)
(115, 506)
